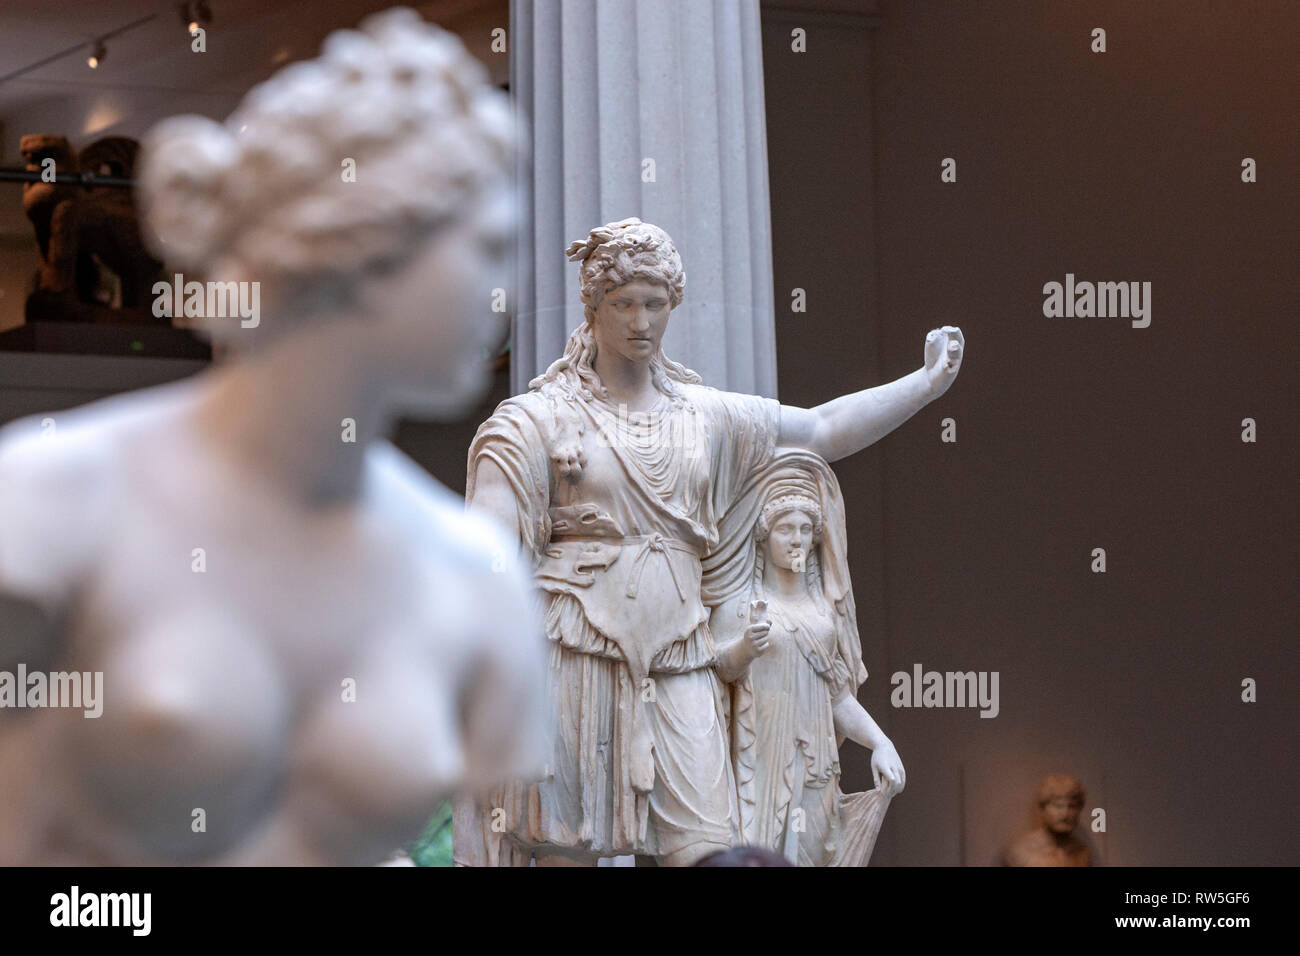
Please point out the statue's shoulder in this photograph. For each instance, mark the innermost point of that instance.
(702, 398)
(1025, 849)
(734, 406)
(547, 414)
(538, 404)
(433, 518)
(59, 473)
(692, 391)
(61, 456)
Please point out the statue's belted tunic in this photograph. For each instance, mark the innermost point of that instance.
(641, 758)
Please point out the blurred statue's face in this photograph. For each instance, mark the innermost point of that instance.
(1061, 814)
(631, 319)
(438, 318)
(789, 541)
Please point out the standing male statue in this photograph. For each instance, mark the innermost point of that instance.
(614, 472)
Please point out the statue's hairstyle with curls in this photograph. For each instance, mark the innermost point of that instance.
(263, 197)
(616, 253)
(1059, 785)
(611, 256)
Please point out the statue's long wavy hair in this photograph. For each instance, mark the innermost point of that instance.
(575, 370)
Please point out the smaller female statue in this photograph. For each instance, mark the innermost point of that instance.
(796, 703)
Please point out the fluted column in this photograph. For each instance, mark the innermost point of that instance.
(606, 88)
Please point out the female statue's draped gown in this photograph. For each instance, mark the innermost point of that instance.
(641, 761)
(798, 767)
(785, 746)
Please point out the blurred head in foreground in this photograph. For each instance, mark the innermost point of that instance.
(745, 856)
(366, 187)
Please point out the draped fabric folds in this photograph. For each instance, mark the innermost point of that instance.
(616, 512)
(640, 532)
(784, 749)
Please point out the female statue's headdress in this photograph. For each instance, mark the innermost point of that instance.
(793, 492)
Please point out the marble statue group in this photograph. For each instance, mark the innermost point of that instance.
(689, 549)
(305, 642)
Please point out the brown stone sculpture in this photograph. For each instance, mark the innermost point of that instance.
(1053, 843)
(94, 264)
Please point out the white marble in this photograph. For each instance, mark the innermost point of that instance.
(625, 481)
(305, 642)
(793, 615)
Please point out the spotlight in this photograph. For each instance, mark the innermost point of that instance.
(195, 14)
(97, 55)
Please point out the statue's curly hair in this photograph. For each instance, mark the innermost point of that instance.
(1059, 785)
(263, 195)
(613, 255)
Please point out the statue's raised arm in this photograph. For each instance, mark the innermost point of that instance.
(620, 473)
(851, 422)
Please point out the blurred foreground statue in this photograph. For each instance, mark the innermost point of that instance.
(618, 474)
(1060, 801)
(238, 626)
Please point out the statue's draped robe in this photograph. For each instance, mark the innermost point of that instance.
(784, 746)
(641, 760)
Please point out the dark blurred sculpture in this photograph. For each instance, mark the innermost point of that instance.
(1060, 801)
(745, 856)
(94, 265)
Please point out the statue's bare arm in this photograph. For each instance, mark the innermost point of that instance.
(494, 497)
(736, 653)
(853, 721)
(851, 422)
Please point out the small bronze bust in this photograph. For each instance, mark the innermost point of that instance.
(1053, 843)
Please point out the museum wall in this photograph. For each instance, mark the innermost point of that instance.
(1072, 434)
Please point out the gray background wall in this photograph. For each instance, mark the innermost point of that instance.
(1072, 433)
